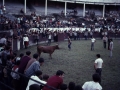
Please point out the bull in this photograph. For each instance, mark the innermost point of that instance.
(47, 49)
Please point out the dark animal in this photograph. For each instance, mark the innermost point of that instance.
(47, 49)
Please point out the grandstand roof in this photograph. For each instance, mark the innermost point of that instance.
(108, 2)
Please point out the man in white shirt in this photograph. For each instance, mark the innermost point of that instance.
(26, 41)
(49, 38)
(93, 85)
(98, 64)
(92, 43)
(36, 77)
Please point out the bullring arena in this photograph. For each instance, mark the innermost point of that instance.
(80, 20)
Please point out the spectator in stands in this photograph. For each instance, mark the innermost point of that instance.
(1, 12)
(3, 40)
(36, 77)
(22, 11)
(26, 41)
(4, 9)
(98, 65)
(71, 86)
(93, 85)
(55, 81)
(2, 47)
(35, 66)
(111, 47)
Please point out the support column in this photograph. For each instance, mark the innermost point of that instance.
(65, 8)
(104, 10)
(25, 6)
(45, 7)
(3, 2)
(84, 10)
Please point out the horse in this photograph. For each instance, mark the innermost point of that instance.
(47, 49)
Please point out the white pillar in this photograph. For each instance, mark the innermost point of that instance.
(104, 10)
(3, 2)
(65, 7)
(45, 7)
(25, 6)
(84, 10)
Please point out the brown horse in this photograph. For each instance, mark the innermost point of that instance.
(47, 49)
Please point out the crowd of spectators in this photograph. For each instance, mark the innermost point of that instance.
(23, 23)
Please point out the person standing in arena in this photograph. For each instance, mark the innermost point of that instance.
(69, 43)
(105, 41)
(111, 47)
(26, 41)
(98, 65)
(92, 43)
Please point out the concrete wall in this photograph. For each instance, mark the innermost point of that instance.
(18, 44)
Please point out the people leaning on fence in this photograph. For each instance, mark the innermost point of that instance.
(71, 86)
(15, 76)
(55, 81)
(93, 85)
(34, 87)
(36, 77)
(35, 66)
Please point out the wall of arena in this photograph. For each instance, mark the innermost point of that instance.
(17, 44)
